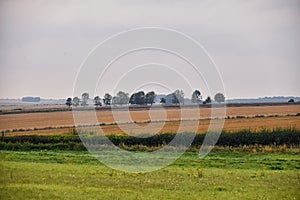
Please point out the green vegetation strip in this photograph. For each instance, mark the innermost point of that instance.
(274, 137)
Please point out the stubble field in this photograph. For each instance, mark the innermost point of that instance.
(169, 120)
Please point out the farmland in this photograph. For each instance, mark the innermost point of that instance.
(256, 157)
(250, 117)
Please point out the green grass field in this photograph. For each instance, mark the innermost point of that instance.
(221, 175)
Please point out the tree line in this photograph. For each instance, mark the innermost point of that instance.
(141, 98)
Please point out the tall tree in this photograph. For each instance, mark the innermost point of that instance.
(150, 97)
(219, 97)
(132, 99)
(85, 97)
(107, 99)
(69, 101)
(137, 98)
(196, 96)
(76, 101)
(121, 98)
(97, 101)
(178, 97)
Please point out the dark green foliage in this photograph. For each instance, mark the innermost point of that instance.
(291, 101)
(138, 98)
(69, 101)
(207, 100)
(150, 97)
(97, 101)
(74, 142)
(162, 100)
(107, 99)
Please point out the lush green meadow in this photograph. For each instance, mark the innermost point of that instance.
(226, 173)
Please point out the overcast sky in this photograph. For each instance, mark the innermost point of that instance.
(255, 44)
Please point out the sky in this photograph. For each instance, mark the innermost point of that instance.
(254, 44)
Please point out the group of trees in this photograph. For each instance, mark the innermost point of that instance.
(197, 98)
(176, 97)
(140, 98)
(85, 98)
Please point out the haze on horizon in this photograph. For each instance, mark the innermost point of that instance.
(255, 44)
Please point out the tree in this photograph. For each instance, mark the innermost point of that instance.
(137, 98)
(196, 96)
(115, 100)
(107, 99)
(178, 97)
(97, 101)
(219, 97)
(132, 99)
(150, 97)
(69, 101)
(162, 100)
(85, 97)
(121, 98)
(207, 100)
(76, 101)
(291, 101)
(174, 99)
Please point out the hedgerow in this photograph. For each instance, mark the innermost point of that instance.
(74, 142)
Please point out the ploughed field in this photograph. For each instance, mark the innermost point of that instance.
(169, 120)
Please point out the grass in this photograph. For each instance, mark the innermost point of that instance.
(221, 175)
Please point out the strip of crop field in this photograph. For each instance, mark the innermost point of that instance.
(232, 124)
(58, 119)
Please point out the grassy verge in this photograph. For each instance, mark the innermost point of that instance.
(221, 175)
